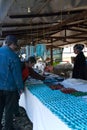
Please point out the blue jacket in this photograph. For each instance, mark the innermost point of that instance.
(10, 70)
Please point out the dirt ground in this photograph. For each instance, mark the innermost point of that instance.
(22, 122)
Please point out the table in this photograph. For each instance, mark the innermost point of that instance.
(41, 117)
(51, 109)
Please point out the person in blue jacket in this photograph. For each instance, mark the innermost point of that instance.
(10, 80)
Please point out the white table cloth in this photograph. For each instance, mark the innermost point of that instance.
(62, 114)
(41, 117)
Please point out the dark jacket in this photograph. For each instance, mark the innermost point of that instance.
(79, 70)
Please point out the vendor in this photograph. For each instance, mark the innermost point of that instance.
(28, 70)
(79, 70)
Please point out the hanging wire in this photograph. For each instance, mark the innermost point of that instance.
(31, 39)
(37, 34)
(38, 11)
(43, 31)
(43, 6)
(61, 16)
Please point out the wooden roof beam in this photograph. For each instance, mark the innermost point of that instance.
(77, 30)
(29, 24)
(82, 15)
(77, 22)
(30, 15)
(67, 43)
(67, 37)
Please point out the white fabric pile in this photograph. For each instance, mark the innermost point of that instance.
(77, 84)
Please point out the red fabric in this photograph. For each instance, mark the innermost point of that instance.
(68, 90)
(48, 68)
(56, 87)
(28, 71)
(25, 73)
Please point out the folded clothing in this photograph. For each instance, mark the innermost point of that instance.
(56, 86)
(68, 90)
(78, 93)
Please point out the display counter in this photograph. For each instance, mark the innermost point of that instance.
(51, 109)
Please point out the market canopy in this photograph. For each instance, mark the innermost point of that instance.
(53, 22)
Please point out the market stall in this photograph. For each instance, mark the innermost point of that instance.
(52, 109)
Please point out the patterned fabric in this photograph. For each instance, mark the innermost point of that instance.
(70, 109)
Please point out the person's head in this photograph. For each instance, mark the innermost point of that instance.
(11, 41)
(78, 48)
(31, 61)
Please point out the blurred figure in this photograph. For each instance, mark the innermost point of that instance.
(10, 80)
(79, 70)
(27, 70)
(48, 68)
(40, 65)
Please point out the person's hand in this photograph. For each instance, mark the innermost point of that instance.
(21, 91)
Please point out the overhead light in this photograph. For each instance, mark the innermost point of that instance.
(29, 10)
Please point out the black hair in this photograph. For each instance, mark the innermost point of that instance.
(32, 59)
(79, 47)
